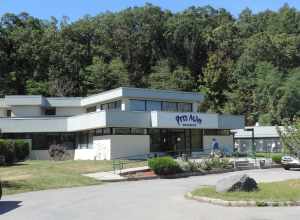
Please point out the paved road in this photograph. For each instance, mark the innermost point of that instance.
(141, 200)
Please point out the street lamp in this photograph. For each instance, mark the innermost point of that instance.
(253, 148)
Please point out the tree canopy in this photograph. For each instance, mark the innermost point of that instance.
(248, 65)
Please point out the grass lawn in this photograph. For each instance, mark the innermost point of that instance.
(276, 191)
(268, 155)
(35, 175)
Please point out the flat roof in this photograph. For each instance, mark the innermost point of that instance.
(259, 132)
(106, 96)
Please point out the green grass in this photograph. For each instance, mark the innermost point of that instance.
(41, 175)
(268, 155)
(276, 191)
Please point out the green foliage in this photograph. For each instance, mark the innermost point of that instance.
(290, 137)
(164, 166)
(22, 149)
(7, 149)
(215, 163)
(13, 150)
(247, 65)
(277, 158)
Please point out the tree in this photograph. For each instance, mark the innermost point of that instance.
(215, 82)
(290, 137)
(101, 76)
(289, 104)
(163, 78)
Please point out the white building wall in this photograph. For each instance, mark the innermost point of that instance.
(84, 154)
(69, 111)
(121, 146)
(26, 111)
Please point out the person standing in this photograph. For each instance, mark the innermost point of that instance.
(215, 147)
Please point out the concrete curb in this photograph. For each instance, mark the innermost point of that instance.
(179, 175)
(226, 203)
(175, 176)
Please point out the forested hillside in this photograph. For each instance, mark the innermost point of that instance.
(248, 65)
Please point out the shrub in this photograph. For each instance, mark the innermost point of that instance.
(58, 152)
(7, 149)
(184, 165)
(164, 166)
(22, 149)
(213, 163)
(277, 158)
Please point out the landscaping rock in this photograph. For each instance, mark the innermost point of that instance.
(240, 182)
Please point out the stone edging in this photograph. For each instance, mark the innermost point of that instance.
(241, 203)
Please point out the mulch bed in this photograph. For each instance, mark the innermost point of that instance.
(144, 174)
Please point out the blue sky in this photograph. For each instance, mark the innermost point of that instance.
(75, 9)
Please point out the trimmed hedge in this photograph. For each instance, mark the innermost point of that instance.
(13, 150)
(277, 158)
(22, 149)
(164, 166)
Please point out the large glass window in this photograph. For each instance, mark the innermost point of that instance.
(42, 141)
(219, 132)
(50, 111)
(196, 135)
(139, 131)
(121, 131)
(184, 107)
(155, 139)
(137, 105)
(91, 109)
(169, 106)
(111, 105)
(153, 106)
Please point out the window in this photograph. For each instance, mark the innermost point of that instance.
(218, 132)
(8, 113)
(122, 131)
(91, 109)
(169, 106)
(42, 141)
(112, 105)
(184, 107)
(153, 106)
(99, 132)
(107, 131)
(139, 131)
(196, 135)
(137, 105)
(50, 111)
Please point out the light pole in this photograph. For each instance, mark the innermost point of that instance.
(253, 148)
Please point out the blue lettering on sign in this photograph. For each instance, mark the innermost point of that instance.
(188, 120)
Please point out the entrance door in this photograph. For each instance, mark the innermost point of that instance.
(173, 140)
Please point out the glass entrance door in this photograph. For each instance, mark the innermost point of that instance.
(173, 140)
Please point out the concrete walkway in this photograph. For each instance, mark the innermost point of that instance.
(161, 199)
(114, 176)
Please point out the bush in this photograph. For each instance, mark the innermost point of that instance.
(13, 151)
(185, 166)
(58, 152)
(22, 150)
(7, 149)
(277, 158)
(164, 166)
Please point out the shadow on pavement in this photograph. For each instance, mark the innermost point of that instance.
(7, 206)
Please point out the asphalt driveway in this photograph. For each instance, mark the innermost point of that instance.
(152, 199)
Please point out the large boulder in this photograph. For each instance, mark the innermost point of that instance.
(239, 182)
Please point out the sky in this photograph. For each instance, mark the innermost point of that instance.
(75, 9)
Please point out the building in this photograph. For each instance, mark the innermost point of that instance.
(266, 139)
(118, 123)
